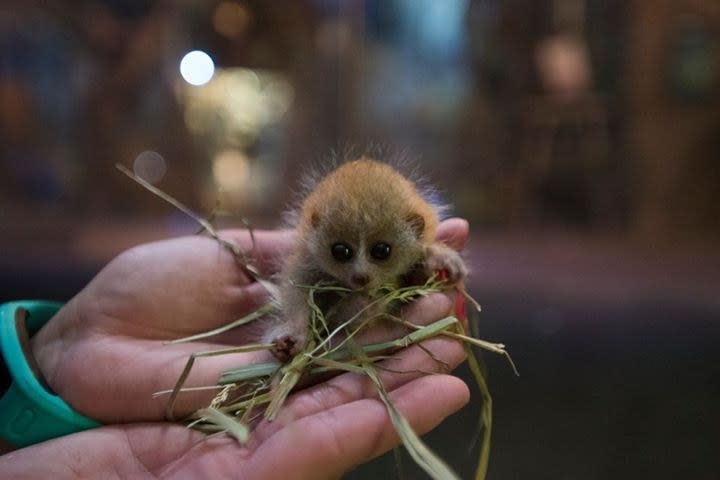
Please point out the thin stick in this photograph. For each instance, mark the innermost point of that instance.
(260, 312)
(188, 389)
(461, 288)
(253, 401)
(335, 365)
(207, 226)
(430, 354)
(498, 348)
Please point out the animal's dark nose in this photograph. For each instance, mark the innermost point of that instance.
(360, 279)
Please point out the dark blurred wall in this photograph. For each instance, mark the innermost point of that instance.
(580, 137)
(673, 95)
(564, 113)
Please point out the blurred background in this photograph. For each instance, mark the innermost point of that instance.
(581, 138)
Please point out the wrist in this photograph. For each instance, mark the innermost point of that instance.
(48, 345)
(29, 411)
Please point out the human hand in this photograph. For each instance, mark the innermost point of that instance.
(103, 352)
(321, 432)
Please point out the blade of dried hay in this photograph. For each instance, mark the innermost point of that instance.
(335, 365)
(498, 348)
(401, 295)
(423, 456)
(205, 224)
(422, 333)
(485, 415)
(289, 376)
(493, 347)
(248, 404)
(226, 422)
(187, 389)
(486, 411)
(170, 408)
(248, 372)
(260, 312)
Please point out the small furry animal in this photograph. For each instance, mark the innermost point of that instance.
(362, 226)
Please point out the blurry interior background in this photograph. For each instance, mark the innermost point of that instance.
(581, 138)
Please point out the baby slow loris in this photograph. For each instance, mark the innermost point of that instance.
(364, 225)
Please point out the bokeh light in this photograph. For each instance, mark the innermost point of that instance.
(197, 68)
(230, 170)
(231, 19)
(150, 166)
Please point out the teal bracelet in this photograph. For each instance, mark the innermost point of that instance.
(30, 414)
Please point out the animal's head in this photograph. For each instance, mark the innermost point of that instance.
(366, 225)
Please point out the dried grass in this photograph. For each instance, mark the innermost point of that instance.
(330, 348)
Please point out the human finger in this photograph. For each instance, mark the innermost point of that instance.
(127, 372)
(438, 355)
(454, 232)
(336, 439)
(268, 248)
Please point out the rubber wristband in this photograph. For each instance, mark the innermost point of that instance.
(30, 414)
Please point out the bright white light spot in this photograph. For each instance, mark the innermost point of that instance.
(150, 166)
(197, 68)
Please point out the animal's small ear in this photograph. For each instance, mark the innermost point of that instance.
(315, 219)
(417, 223)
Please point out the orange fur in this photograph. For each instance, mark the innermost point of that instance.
(362, 205)
(371, 192)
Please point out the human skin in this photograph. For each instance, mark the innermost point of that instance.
(103, 353)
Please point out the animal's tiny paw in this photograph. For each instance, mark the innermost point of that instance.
(446, 263)
(288, 340)
(285, 347)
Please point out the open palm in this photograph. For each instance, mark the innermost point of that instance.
(103, 354)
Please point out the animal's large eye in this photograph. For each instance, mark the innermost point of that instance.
(380, 251)
(341, 252)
